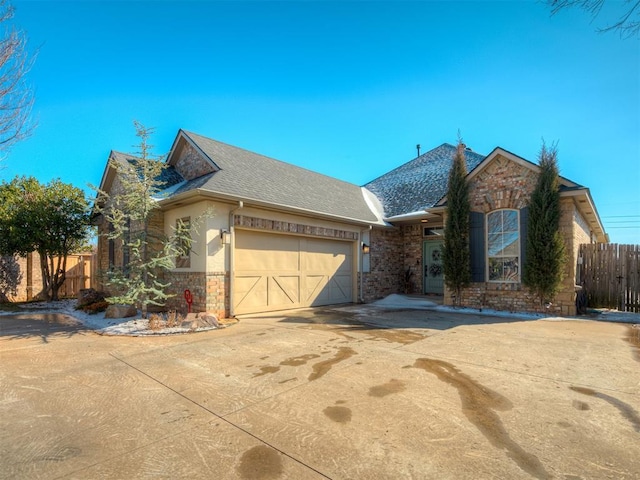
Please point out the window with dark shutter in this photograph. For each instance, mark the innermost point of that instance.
(503, 246)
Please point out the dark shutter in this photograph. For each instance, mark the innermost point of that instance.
(524, 228)
(112, 253)
(112, 249)
(125, 249)
(476, 246)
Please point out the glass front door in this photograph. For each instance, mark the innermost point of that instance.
(433, 270)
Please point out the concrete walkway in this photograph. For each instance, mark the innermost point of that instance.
(328, 393)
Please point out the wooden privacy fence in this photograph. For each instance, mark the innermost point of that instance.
(79, 274)
(610, 273)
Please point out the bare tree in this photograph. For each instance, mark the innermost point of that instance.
(628, 24)
(16, 97)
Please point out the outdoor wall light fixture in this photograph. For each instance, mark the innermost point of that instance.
(365, 249)
(225, 237)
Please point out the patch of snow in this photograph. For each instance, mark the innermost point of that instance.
(606, 315)
(374, 205)
(133, 326)
(395, 301)
(404, 301)
(167, 192)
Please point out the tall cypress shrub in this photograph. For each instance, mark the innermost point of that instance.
(544, 265)
(456, 254)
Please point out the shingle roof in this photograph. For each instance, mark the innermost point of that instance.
(250, 176)
(168, 177)
(420, 183)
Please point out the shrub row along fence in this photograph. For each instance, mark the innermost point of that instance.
(610, 274)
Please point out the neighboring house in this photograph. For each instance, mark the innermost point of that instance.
(286, 237)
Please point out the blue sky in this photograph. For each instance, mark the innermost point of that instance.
(343, 88)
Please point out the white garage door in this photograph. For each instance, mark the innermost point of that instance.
(275, 272)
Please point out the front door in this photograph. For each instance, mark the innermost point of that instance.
(433, 271)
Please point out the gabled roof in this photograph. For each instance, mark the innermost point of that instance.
(168, 177)
(420, 183)
(568, 188)
(263, 181)
(565, 183)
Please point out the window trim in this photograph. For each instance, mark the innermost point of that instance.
(517, 242)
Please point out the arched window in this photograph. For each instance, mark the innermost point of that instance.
(503, 246)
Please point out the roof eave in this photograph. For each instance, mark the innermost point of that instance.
(421, 215)
(517, 159)
(587, 209)
(182, 198)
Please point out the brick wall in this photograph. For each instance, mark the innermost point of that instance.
(386, 265)
(412, 240)
(501, 184)
(506, 184)
(581, 235)
(24, 289)
(218, 300)
(209, 292)
(78, 275)
(195, 282)
(155, 238)
(191, 164)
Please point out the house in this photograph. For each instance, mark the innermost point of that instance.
(286, 237)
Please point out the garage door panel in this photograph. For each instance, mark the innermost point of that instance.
(284, 291)
(250, 291)
(275, 271)
(326, 262)
(340, 288)
(267, 254)
(328, 290)
(327, 256)
(316, 291)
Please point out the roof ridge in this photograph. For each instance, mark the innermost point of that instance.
(410, 161)
(124, 154)
(288, 164)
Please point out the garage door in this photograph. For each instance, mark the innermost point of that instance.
(275, 272)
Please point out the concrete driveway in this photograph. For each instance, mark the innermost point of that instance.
(351, 393)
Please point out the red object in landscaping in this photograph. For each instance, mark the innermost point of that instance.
(188, 298)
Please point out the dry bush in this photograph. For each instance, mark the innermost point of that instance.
(174, 319)
(155, 322)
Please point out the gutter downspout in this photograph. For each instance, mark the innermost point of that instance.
(232, 255)
(361, 260)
